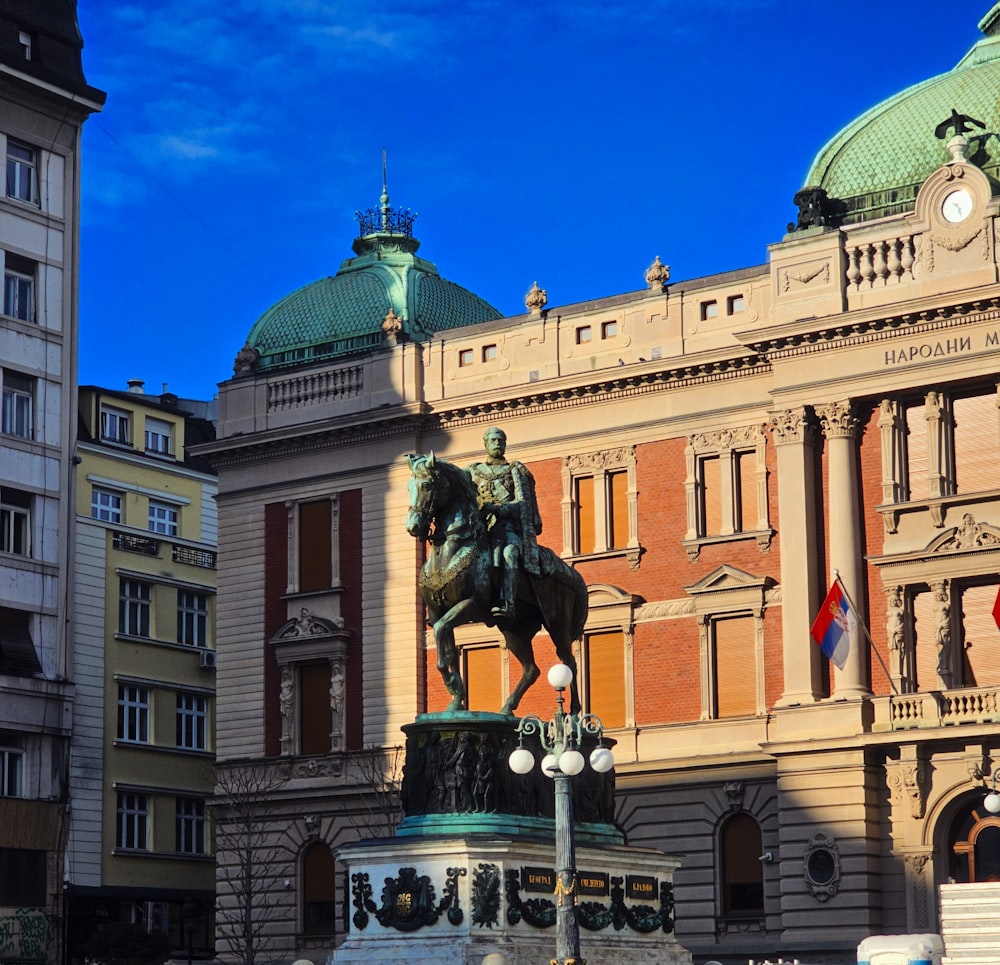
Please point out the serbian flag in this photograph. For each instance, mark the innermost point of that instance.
(834, 625)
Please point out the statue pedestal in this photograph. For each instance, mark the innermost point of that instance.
(471, 870)
(453, 901)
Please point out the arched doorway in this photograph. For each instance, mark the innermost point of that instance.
(974, 844)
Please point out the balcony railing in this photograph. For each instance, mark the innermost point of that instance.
(980, 705)
(136, 544)
(194, 557)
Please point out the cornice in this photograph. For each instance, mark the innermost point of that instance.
(804, 336)
(237, 450)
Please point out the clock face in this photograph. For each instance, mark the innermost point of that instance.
(957, 206)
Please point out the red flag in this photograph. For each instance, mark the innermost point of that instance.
(996, 610)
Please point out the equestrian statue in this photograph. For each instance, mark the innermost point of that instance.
(484, 564)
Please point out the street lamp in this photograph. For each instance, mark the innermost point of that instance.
(561, 738)
(992, 800)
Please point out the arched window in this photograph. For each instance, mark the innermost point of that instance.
(742, 873)
(318, 901)
(974, 844)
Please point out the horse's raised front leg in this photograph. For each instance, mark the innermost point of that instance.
(520, 646)
(447, 653)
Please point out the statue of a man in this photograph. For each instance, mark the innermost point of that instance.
(510, 511)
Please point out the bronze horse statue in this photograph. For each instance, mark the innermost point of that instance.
(459, 584)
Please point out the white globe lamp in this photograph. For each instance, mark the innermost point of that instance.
(560, 676)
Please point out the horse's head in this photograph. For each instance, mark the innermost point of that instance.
(428, 491)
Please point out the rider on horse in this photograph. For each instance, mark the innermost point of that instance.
(506, 495)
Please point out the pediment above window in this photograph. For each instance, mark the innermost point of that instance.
(309, 636)
(728, 588)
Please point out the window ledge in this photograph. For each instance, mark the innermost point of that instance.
(762, 536)
(937, 506)
(163, 749)
(161, 855)
(632, 553)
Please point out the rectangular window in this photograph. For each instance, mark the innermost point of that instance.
(132, 822)
(709, 310)
(24, 40)
(134, 608)
(18, 393)
(106, 504)
(21, 180)
(618, 522)
(735, 667)
(586, 534)
(609, 329)
(464, 357)
(489, 353)
(711, 496)
(192, 618)
(484, 679)
(192, 722)
(162, 518)
(158, 436)
(980, 646)
(917, 455)
(977, 443)
(583, 334)
(745, 465)
(315, 546)
(11, 768)
(115, 426)
(15, 522)
(317, 722)
(22, 878)
(734, 304)
(605, 677)
(190, 826)
(19, 288)
(133, 714)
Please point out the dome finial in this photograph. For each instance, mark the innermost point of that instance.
(384, 200)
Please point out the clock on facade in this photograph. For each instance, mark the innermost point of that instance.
(957, 206)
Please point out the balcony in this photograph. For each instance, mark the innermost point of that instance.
(936, 708)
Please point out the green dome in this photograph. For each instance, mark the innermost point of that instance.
(345, 313)
(877, 163)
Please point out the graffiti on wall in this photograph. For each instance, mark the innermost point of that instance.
(25, 934)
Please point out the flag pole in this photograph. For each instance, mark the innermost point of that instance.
(868, 636)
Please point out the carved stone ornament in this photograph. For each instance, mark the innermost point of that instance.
(306, 625)
(619, 458)
(726, 438)
(657, 274)
(908, 780)
(392, 326)
(838, 419)
(312, 825)
(734, 794)
(966, 536)
(791, 426)
(821, 867)
(536, 299)
(246, 360)
(806, 274)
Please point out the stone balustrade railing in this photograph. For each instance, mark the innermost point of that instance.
(315, 388)
(979, 705)
(880, 264)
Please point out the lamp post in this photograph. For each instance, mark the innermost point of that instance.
(561, 738)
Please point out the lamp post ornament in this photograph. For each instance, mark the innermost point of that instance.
(561, 738)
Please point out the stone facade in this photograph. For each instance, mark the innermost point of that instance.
(707, 454)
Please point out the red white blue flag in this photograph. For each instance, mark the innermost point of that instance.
(834, 625)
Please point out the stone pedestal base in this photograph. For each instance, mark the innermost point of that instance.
(454, 900)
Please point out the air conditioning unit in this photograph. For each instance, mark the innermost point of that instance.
(207, 659)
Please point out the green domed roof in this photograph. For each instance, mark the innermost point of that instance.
(344, 313)
(876, 164)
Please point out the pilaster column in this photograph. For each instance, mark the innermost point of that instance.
(840, 425)
(794, 438)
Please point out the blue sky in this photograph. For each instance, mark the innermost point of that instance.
(563, 143)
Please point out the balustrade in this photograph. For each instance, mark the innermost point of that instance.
(879, 264)
(316, 388)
